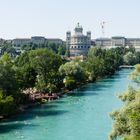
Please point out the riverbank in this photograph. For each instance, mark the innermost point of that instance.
(38, 98)
(86, 111)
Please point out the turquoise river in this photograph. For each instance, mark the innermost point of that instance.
(84, 115)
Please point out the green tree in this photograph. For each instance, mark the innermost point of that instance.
(25, 72)
(62, 50)
(135, 75)
(130, 58)
(7, 48)
(102, 62)
(73, 74)
(127, 119)
(46, 64)
(7, 105)
(8, 82)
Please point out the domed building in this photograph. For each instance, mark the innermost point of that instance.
(78, 44)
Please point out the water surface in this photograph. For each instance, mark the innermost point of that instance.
(82, 116)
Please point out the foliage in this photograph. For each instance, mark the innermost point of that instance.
(69, 82)
(8, 86)
(7, 48)
(127, 119)
(135, 75)
(46, 64)
(56, 48)
(130, 58)
(72, 73)
(26, 74)
(7, 104)
(102, 62)
(8, 81)
(62, 50)
(41, 67)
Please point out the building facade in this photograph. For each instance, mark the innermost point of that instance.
(38, 40)
(18, 42)
(118, 41)
(78, 44)
(102, 42)
(56, 41)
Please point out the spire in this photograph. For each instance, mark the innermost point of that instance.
(78, 29)
(78, 24)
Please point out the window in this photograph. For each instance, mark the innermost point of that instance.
(78, 40)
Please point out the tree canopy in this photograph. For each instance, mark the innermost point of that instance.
(127, 119)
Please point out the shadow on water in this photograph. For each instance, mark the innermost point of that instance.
(46, 113)
(23, 119)
(33, 113)
(47, 106)
(92, 89)
(5, 128)
(59, 102)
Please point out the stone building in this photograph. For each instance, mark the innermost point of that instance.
(18, 42)
(56, 41)
(118, 41)
(102, 42)
(38, 40)
(78, 44)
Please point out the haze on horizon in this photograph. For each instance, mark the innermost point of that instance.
(52, 18)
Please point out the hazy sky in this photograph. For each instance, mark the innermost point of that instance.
(52, 18)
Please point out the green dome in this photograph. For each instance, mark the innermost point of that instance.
(78, 28)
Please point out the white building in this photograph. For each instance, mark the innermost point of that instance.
(118, 41)
(18, 42)
(38, 40)
(78, 44)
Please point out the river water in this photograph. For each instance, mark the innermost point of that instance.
(84, 115)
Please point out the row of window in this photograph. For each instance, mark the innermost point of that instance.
(81, 40)
(79, 47)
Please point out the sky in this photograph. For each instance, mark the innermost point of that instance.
(52, 18)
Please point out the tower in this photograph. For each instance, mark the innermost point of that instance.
(68, 40)
(89, 37)
(78, 29)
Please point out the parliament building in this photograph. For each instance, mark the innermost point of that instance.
(78, 44)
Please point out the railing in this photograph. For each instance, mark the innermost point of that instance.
(127, 66)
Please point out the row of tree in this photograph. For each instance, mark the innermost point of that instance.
(127, 119)
(6, 47)
(46, 71)
(36, 68)
(99, 63)
(57, 48)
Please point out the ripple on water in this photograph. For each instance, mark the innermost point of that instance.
(83, 115)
